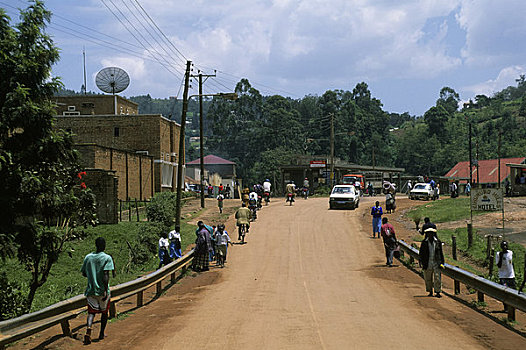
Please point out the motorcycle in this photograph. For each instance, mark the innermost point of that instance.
(290, 198)
(252, 205)
(259, 201)
(266, 195)
(305, 192)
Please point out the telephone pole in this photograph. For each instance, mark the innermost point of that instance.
(332, 149)
(201, 134)
(181, 157)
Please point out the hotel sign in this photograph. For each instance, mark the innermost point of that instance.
(486, 199)
(318, 163)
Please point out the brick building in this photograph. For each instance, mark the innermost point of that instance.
(139, 150)
(95, 104)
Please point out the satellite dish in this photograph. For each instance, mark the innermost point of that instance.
(112, 80)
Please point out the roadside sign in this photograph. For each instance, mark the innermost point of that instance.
(486, 199)
(318, 164)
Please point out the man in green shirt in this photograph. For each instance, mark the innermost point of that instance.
(96, 267)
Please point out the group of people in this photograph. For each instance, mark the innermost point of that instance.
(211, 244)
(169, 246)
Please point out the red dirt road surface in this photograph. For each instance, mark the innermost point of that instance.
(308, 278)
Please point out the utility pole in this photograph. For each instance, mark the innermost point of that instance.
(181, 157)
(470, 172)
(332, 149)
(84, 61)
(201, 135)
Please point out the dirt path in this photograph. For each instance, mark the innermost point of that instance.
(308, 278)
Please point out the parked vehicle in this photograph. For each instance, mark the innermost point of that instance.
(344, 196)
(351, 179)
(422, 190)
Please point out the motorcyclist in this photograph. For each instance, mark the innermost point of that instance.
(243, 218)
(291, 189)
(266, 188)
(252, 201)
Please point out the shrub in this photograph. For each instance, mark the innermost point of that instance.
(162, 208)
(145, 244)
(12, 300)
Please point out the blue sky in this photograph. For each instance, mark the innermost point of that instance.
(406, 51)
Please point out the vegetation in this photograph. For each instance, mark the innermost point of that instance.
(444, 210)
(43, 199)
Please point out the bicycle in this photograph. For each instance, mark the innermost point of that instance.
(242, 232)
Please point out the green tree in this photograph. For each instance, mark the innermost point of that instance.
(448, 99)
(42, 200)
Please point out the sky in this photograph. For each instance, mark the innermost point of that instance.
(406, 51)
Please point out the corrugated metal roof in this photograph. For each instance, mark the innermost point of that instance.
(488, 170)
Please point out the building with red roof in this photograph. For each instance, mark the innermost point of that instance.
(217, 170)
(487, 171)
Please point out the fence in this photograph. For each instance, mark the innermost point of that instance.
(509, 296)
(61, 312)
(129, 209)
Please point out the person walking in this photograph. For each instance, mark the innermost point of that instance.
(96, 268)
(504, 261)
(431, 261)
(222, 241)
(164, 246)
(220, 199)
(203, 247)
(427, 224)
(377, 213)
(390, 242)
(174, 237)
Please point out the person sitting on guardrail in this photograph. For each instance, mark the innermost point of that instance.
(504, 261)
(377, 213)
(431, 261)
(96, 268)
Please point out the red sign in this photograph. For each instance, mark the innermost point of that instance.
(318, 164)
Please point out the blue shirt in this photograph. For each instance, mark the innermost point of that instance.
(376, 212)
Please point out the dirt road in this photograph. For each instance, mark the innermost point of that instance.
(308, 278)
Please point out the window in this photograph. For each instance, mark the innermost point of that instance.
(116, 131)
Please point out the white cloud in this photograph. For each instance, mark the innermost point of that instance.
(505, 78)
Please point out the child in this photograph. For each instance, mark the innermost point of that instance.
(175, 243)
(164, 256)
(222, 240)
(220, 199)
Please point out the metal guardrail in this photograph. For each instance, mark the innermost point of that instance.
(508, 296)
(28, 324)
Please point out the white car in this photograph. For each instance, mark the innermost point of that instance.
(344, 196)
(422, 190)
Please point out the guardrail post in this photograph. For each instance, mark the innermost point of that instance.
(488, 247)
(454, 246)
(113, 310)
(64, 324)
(491, 262)
(139, 299)
(158, 287)
(480, 297)
(137, 209)
(457, 287)
(511, 313)
(172, 277)
(470, 234)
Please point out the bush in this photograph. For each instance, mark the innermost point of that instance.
(146, 241)
(13, 301)
(162, 208)
(323, 191)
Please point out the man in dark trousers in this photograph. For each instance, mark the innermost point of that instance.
(432, 260)
(389, 237)
(96, 268)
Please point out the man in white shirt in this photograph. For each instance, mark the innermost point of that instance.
(267, 185)
(504, 261)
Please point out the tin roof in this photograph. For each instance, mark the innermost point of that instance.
(488, 170)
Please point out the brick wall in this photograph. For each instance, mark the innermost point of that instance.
(95, 104)
(104, 185)
(133, 170)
